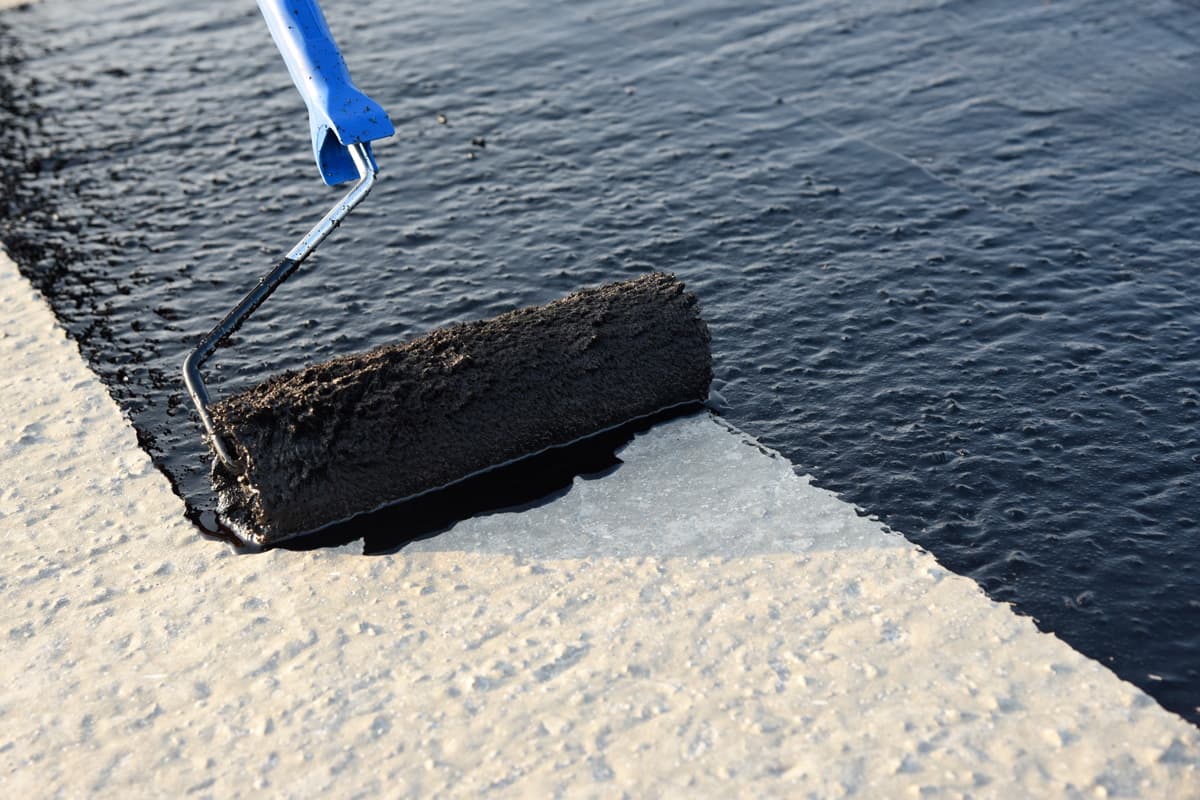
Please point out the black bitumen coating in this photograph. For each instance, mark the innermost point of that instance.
(349, 435)
(953, 290)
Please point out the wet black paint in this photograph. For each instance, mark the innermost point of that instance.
(947, 250)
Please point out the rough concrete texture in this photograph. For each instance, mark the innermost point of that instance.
(829, 659)
(348, 435)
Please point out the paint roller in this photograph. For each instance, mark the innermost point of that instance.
(316, 446)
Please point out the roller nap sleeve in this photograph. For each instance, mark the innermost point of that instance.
(346, 436)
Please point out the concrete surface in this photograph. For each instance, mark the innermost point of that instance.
(700, 621)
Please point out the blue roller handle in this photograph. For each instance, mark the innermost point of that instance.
(339, 114)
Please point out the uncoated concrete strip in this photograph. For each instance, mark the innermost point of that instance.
(700, 621)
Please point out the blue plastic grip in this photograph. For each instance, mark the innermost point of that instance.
(338, 113)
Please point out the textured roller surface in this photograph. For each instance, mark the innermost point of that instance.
(361, 431)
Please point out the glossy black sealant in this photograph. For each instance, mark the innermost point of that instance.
(947, 250)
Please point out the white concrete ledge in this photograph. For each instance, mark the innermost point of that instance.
(700, 621)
